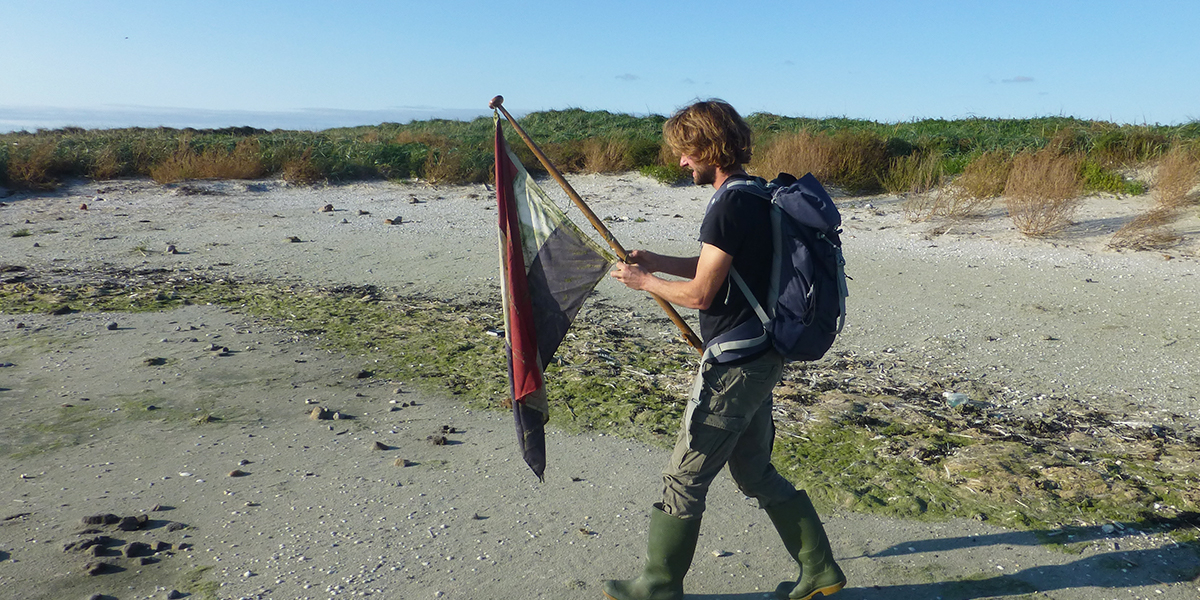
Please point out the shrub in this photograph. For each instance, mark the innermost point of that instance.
(1177, 175)
(851, 160)
(664, 174)
(1097, 178)
(1042, 191)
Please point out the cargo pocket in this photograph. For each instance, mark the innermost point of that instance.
(715, 400)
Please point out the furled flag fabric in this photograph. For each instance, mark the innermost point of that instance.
(548, 267)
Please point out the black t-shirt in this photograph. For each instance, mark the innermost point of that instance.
(740, 225)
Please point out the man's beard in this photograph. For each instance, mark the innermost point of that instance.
(704, 176)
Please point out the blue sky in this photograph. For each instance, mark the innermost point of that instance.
(308, 64)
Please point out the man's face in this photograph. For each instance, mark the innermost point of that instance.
(702, 174)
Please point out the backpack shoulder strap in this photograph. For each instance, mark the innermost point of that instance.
(758, 308)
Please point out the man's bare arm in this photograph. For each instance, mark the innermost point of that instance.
(709, 271)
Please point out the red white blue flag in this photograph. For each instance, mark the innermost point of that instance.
(548, 267)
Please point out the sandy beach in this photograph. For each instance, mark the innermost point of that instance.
(274, 504)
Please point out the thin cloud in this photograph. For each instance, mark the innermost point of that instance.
(1017, 79)
(628, 77)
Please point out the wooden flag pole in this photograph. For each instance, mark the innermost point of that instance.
(498, 104)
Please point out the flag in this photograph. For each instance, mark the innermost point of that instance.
(547, 267)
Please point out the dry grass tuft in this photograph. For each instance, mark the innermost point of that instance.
(301, 169)
(107, 165)
(985, 177)
(243, 162)
(1148, 231)
(916, 173)
(32, 165)
(443, 166)
(606, 155)
(1042, 191)
(1176, 179)
(851, 160)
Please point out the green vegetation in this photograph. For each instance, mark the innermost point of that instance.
(858, 434)
(857, 155)
(21, 233)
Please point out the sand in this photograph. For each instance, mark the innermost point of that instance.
(322, 512)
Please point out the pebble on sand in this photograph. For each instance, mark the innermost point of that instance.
(327, 208)
(238, 473)
(320, 414)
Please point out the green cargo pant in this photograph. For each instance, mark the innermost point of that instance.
(728, 421)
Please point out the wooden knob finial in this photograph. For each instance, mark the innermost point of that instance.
(496, 102)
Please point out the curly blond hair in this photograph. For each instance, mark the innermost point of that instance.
(710, 131)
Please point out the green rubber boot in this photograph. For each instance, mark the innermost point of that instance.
(668, 556)
(798, 524)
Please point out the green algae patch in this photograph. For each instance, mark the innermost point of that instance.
(874, 436)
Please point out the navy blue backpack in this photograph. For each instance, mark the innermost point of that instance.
(806, 304)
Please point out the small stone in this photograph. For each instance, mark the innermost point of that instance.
(174, 595)
(1108, 528)
(162, 546)
(320, 414)
(111, 326)
(147, 560)
(437, 440)
(243, 462)
(292, 239)
(238, 473)
(156, 508)
(171, 249)
(96, 597)
(363, 212)
(83, 207)
(100, 519)
(721, 553)
(96, 568)
(395, 221)
(338, 416)
(363, 374)
(327, 208)
(403, 462)
(154, 361)
(345, 221)
(129, 524)
(136, 549)
(381, 446)
(176, 526)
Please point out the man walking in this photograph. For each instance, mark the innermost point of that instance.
(728, 420)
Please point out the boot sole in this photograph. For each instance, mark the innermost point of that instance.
(828, 590)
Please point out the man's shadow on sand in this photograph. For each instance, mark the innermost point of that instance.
(1112, 570)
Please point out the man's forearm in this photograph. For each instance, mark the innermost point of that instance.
(678, 266)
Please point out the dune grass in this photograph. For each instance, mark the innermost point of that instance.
(948, 168)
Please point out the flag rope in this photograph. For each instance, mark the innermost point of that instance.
(497, 103)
